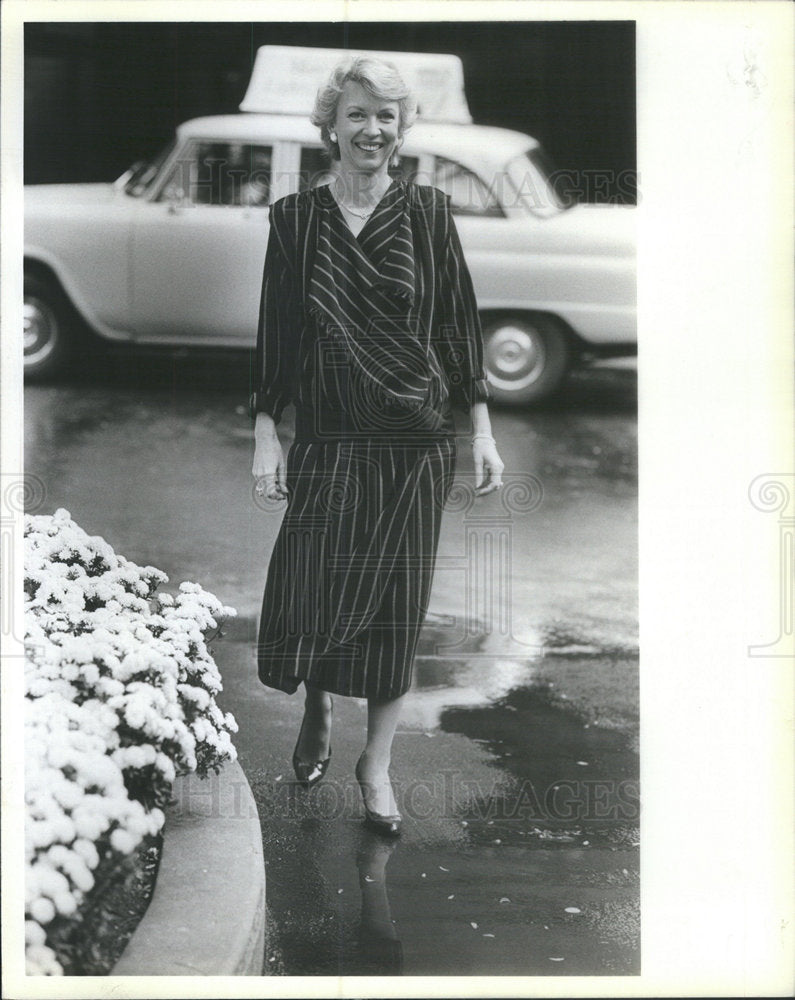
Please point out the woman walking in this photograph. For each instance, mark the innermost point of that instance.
(368, 324)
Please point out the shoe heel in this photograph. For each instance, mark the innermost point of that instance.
(309, 773)
(388, 826)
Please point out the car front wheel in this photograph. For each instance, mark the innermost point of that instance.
(47, 328)
(526, 358)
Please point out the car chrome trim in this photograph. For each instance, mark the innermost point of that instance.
(39, 329)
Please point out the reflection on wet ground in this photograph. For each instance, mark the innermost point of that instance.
(515, 766)
(520, 847)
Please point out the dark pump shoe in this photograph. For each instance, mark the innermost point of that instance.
(389, 826)
(309, 773)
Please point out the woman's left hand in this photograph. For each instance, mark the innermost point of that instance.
(488, 466)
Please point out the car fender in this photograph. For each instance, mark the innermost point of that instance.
(82, 235)
(525, 267)
(43, 261)
(566, 287)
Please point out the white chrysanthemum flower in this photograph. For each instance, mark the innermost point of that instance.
(65, 903)
(43, 911)
(41, 961)
(72, 865)
(87, 851)
(123, 841)
(118, 679)
(34, 932)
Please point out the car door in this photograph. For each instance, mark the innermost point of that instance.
(199, 245)
(487, 233)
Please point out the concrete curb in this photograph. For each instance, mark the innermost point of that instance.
(207, 913)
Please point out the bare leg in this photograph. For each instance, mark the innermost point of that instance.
(382, 720)
(371, 861)
(316, 734)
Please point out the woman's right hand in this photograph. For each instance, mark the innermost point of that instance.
(269, 468)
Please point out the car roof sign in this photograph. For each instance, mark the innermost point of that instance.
(285, 80)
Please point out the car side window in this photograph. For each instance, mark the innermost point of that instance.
(316, 169)
(407, 168)
(222, 174)
(468, 194)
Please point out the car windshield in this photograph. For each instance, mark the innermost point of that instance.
(537, 183)
(137, 179)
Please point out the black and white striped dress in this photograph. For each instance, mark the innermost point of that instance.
(373, 338)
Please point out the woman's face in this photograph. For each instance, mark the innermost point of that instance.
(367, 129)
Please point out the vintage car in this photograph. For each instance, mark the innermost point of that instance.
(172, 252)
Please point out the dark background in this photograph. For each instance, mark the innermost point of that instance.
(100, 95)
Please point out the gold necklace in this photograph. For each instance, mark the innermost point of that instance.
(353, 211)
(359, 215)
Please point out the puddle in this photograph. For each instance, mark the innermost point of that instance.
(519, 854)
(573, 781)
(561, 639)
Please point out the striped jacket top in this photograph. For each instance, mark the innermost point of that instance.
(370, 335)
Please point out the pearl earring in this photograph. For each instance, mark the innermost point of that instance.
(332, 136)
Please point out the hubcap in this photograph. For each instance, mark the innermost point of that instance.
(39, 330)
(515, 356)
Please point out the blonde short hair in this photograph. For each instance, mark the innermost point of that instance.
(379, 78)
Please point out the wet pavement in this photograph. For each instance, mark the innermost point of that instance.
(515, 764)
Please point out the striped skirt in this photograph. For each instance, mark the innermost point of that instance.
(350, 576)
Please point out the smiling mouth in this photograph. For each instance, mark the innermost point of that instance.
(370, 147)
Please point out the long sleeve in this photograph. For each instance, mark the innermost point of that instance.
(277, 330)
(460, 333)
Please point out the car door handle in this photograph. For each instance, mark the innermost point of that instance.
(174, 198)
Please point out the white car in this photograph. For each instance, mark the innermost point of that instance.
(172, 252)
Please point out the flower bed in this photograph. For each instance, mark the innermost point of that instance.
(121, 697)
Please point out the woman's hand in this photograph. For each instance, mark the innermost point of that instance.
(269, 466)
(488, 465)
